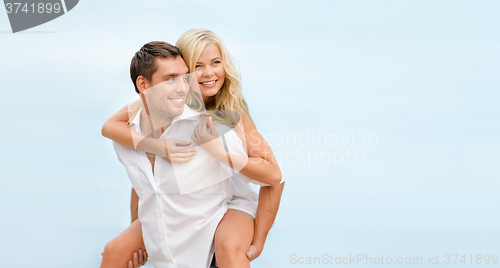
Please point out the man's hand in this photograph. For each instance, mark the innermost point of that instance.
(176, 152)
(253, 252)
(138, 260)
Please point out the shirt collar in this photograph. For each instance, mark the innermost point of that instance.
(187, 114)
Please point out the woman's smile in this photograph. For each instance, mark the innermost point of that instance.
(210, 83)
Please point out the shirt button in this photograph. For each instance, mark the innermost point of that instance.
(158, 212)
(162, 237)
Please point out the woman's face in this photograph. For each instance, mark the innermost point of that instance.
(210, 71)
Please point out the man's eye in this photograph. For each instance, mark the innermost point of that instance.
(171, 80)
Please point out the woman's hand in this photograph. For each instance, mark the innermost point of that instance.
(209, 142)
(177, 152)
(138, 260)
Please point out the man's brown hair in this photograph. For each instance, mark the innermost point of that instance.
(144, 63)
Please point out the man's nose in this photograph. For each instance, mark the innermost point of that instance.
(182, 86)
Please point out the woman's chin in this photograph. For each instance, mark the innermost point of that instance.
(209, 92)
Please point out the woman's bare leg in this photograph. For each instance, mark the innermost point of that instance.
(233, 238)
(118, 252)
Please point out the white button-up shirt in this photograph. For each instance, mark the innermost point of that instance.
(178, 227)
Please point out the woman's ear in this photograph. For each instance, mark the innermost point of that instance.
(142, 83)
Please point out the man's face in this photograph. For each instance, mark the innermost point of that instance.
(168, 88)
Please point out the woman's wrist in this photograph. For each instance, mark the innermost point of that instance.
(150, 145)
(219, 154)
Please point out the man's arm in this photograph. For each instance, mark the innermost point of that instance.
(134, 206)
(269, 202)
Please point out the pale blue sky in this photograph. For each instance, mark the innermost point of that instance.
(420, 75)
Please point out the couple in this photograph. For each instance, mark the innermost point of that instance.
(193, 155)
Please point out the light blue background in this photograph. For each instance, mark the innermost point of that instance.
(423, 76)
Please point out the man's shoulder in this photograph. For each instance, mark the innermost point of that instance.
(122, 149)
(126, 156)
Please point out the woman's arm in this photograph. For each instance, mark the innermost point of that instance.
(260, 165)
(117, 129)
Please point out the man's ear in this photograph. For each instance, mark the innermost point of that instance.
(142, 83)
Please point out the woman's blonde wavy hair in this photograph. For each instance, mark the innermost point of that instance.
(228, 104)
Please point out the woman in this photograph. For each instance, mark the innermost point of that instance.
(220, 89)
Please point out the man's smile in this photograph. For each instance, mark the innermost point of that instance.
(177, 101)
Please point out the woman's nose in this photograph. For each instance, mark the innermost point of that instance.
(208, 71)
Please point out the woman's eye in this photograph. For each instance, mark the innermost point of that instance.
(197, 66)
(216, 62)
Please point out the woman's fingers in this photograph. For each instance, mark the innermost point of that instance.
(182, 155)
(204, 127)
(211, 127)
(182, 160)
(201, 129)
(188, 150)
(136, 260)
(144, 257)
(141, 258)
(181, 142)
(197, 129)
(200, 134)
(176, 150)
(196, 134)
(176, 146)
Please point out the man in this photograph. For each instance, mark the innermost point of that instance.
(177, 226)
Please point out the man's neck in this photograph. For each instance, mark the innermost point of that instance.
(151, 124)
